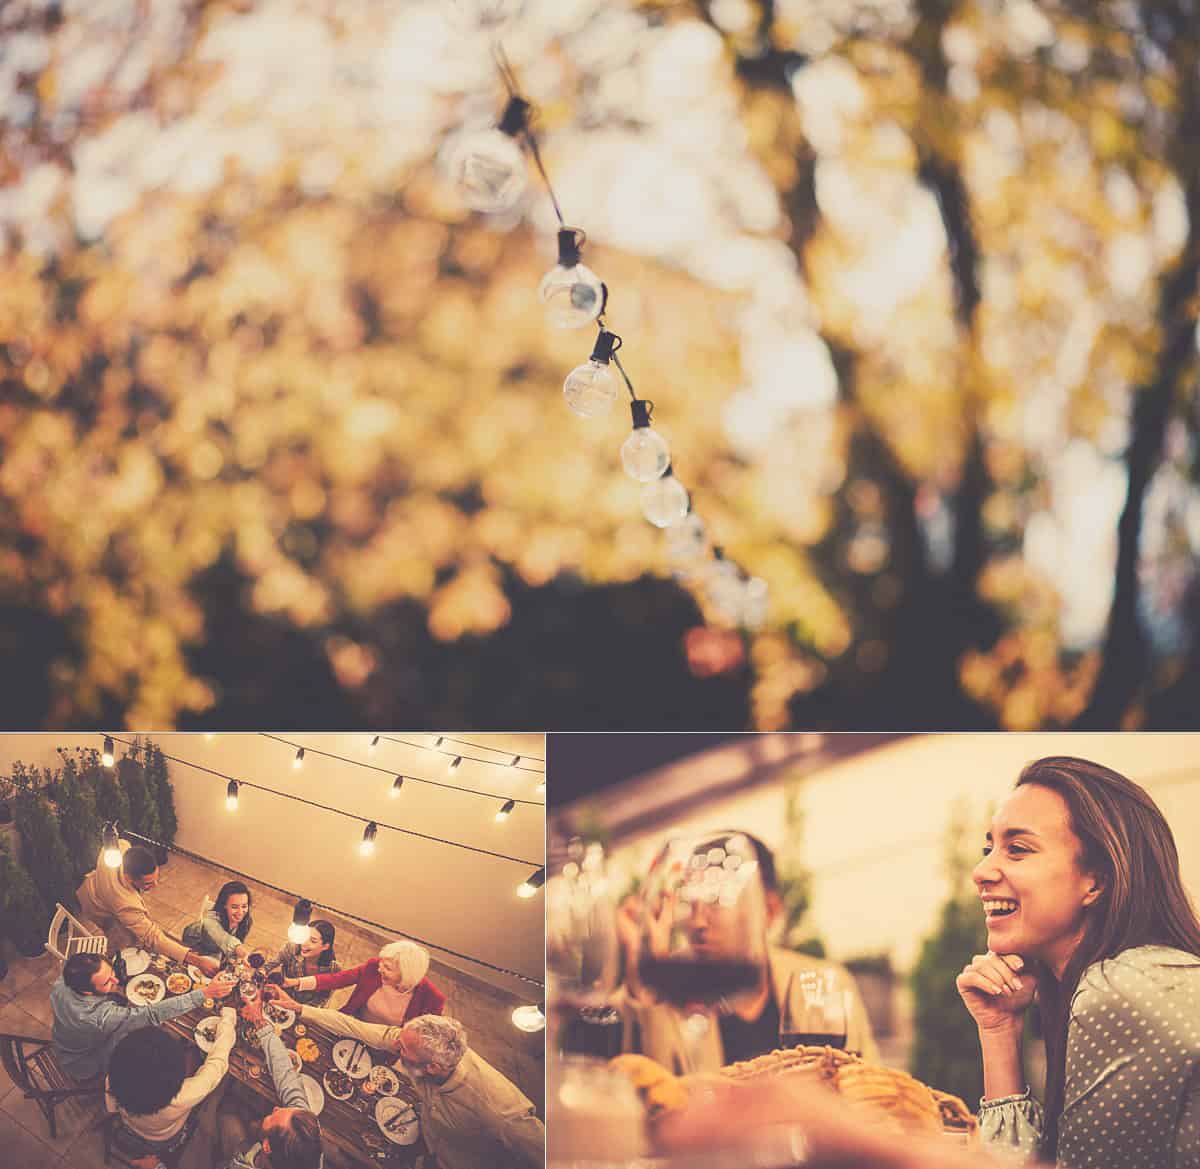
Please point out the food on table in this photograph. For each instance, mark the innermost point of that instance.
(208, 1004)
(369, 1089)
(178, 983)
(308, 1050)
(254, 1070)
(277, 1014)
(207, 1030)
(383, 1080)
(909, 1104)
(339, 1085)
(146, 988)
(660, 1091)
(248, 1033)
(301, 1029)
(956, 1116)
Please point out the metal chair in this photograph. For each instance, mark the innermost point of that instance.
(78, 940)
(31, 1065)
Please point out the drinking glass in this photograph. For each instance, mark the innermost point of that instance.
(815, 1011)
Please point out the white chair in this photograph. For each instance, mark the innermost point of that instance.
(77, 939)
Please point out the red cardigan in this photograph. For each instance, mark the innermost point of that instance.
(426, 998)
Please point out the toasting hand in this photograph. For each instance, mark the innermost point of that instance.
(276, 994)
(252, 1012)
(221, 986)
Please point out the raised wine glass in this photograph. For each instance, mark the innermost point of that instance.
(815, 1011)
(704, 927)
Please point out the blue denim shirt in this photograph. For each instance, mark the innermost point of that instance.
(287, 1086)
(88, 1026)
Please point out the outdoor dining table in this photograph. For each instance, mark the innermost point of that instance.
(348, 1127)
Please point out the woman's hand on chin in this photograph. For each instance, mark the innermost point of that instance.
(997, 988)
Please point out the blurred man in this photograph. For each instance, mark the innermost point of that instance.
(88, 1023)
(749, 1026)
(471, 1115)
(112, 899)
(289, 1137)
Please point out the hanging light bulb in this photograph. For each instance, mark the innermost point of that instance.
(298, 762)
(505, 811)
(367, 845)
(571, 291)
(488, 167)
(685, 541)
(754, 603)
(439, 741)
(455, 763)
(231, 795)
(644, 454)
(664, 500)
(725, 588)
(298, 930)
(209, 736)
(112, 845)
(516, 759)
(107, 756)
(374, 744)
(591, 389)
(528, 888)
(529, 1018)
(397, 784)
(541, 786)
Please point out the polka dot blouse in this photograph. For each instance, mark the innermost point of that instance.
(1132, 1092)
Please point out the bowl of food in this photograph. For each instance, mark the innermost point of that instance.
(145, 988)
(308, 1050)
(178, 983)
(339, 1085)
(282, 1016)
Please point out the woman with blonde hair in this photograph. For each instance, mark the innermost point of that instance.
(390, 989)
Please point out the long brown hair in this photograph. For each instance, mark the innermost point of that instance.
(1128, 844)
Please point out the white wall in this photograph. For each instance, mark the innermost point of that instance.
(445, 895)
(875, 825)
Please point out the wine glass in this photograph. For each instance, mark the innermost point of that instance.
(704, 927)
(815, 1011)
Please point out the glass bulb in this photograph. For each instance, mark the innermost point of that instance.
(107, 759)
(644, 454)
(572, 296)
(297, 934)
(526, 890)
(726, 591)
(231, 802)
(112, 858)
(664, 501)
(528, 1018)
(366, 847)
(489, 170)
(590, 390)
(754, 603)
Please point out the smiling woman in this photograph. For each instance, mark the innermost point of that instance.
(1086, 910)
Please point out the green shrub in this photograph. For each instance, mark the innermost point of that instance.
(24, 917)
(78, 819)
(42, 849)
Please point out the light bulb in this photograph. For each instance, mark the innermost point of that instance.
(455, 763)
(231, 796)
(644, 455)
(527, 889)
(541, 786)
(664, 500)
(374, 744)
(367, 844)
(107, 757)
(298, 762)
(297, 934)
(726, 590)
(528, 1018)
(755, 598)
(397, 784)
(685, 541)
(505, 811)
(591, 389)
(489, 170)
(112, 846)
(516, 759)
(571, 292)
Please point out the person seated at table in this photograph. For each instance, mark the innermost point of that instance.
(471, 1114)
(749, 1028)
(222, 929)
(112, 899)
(390, 989)
(89, 1020)
(158, 1102)
(289, 1137)
(308, 960)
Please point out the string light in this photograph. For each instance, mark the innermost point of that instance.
(505, 811)
(439, 741)
(112, 845)
(397, 784)
(450, 752)
(529, 1018)
(529, 887)
(231, 795)
(455, 763)
(374, 744)
(298, 762)
(301, 915)
(571, 291)
(108, 756)
(516, 761)
(367, 845)
(491, 173)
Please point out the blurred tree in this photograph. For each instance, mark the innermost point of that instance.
(43, 852)
(141, 792)
(158, 781)
(78, 819)
(112, 804)
(281, 425)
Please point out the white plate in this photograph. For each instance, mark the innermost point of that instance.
(384, 1079)
(135, 960)
(315, 1094)
(288, 1016)
(333, 1093)
(343, 1049)
(196, 975)
(297, 1062)
(160, 989)
(386, 1109)
(205, 1045)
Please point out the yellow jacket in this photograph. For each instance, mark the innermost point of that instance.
(662, 1037)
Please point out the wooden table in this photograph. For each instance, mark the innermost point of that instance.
(348, 1127)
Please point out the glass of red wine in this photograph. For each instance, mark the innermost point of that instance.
(703, 942)
(815, 1011)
